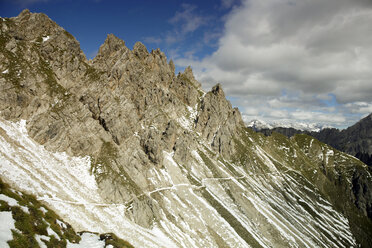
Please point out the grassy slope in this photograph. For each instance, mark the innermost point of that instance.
(37, 221)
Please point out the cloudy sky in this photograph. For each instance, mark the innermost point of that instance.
(277, 60)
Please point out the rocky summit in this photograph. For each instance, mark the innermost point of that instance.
(121, 144)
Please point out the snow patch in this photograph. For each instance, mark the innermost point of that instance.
(7, 223)
(11, 202)
(185, 122)
(46, 38)
(302, 126)
(90, 240)
(66, 185)
(25, 209)
(160, 234)
(51, 232)
(42, 209)
(40, 242)
(61, 224)
(328, 154)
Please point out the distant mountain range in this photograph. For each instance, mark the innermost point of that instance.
(355, 140)
(258, 125)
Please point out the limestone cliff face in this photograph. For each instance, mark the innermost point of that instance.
(126, 104)
(42, 65)
(218, 122)
(176, 159)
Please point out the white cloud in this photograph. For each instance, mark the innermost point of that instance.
(226, 4)
(152, 40)
(311, 48)
(185, 23)
(359, 107)
(188, 19)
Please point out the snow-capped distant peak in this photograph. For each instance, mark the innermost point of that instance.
(258, 125)
(303, 126)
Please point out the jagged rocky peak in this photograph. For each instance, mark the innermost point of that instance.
(109, 52)
(39, 28)
(161, 60)
(31, 26)
(140, 50)
(32, 33)
(189, 75)
(111, 45)
(217, 90)
(123, 65)
(218, 122)
(172, 66)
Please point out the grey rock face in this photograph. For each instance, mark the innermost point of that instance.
(79, 106)
(218, 121)
(176, 159)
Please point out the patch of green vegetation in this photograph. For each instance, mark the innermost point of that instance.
(108, 154)
(232, 170)
(23, 221)
(102, 168)
(20, 241)
(55, 89)
(4, 206)
(129, 183)
(244, 144)
(40, 226)
(34, 221)
(92, 73)
(240, 157)
(14, 62)
(211, 166)
(112, 239)
(247, 144)
(55, 243)
(4, 189)
(281, 149)
(333, 182)
(50, 80)
(303, 141)
(234, 223)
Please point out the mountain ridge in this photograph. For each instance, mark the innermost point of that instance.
(175, 163)
(355, 140)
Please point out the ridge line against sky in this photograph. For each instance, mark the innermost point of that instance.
(277, 60)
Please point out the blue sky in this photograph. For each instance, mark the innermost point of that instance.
(277, 60)
(176, 27)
